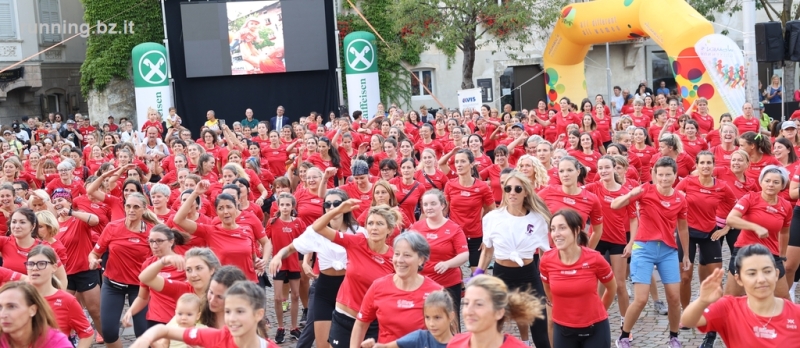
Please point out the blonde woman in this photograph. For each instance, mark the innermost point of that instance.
(534, 171)
(48, 229)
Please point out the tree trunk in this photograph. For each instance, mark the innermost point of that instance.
(469, 62)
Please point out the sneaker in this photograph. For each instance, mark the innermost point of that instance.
(708, 340)
(295, 333)
(792, 291)
(674, 343)
(661, 307)
(304, 317)
(280, 335)
(285, 305)
(623, 343)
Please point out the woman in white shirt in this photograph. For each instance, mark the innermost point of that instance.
(512, 234)
(332, 260)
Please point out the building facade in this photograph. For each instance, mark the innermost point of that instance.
(49, 78)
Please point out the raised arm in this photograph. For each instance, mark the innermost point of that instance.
(180, 217)
(321, 225)
(624, 200)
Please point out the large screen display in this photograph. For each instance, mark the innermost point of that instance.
(253, 37)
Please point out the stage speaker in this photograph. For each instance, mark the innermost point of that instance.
(769, 42)
(792, 38)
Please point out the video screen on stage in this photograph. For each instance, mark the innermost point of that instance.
(253, 37)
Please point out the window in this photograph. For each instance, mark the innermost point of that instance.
(50, 21)
(426, 76)
(8, 29)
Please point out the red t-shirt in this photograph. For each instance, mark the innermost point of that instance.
(249, 219)
(704, 123)
(772, 217)
(618, 220)
(603, 128)
(576, 283)
(644, 155)
(75, 189)
(309, 206)
(217, 338)
(276, 158)
(754, 171)
(162, 306)
(194, 241)
(65, 308)
(659, 214)
(492, 174)
(585, 203)
(352, 190)
(282, 233)
(462, 341)
(739, 188)
(562, 121)
(370, 266)
(14, 256)
(232, 247)
(748, 330)
(713, 138)
(701, 198)
(446, 242)
(722, 158)
(437, 180)
(317, 161)
(693, 147)
(397, 311)
(414, 193)
(127, 251)
(466, 204)
(745, 125)
(7, 275)
(589, 161)
(641, 121)
(76, 236)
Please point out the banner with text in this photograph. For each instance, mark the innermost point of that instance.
(361, 68)
(150, 81)
(469, 98)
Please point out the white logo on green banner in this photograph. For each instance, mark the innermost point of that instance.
(360, 55)
(153, 67)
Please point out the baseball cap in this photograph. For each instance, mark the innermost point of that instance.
(788, 124)
(70, 122)
(760, 105)
(518, 125)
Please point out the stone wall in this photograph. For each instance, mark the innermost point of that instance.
(117, 99)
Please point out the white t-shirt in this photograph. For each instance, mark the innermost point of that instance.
(515, 237)
(329, 254)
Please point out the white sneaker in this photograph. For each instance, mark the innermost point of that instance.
(792, 290)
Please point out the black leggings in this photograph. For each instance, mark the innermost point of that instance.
(595, 336)
(455, 293)
(527, 278)
(341, 327)
(112, 298)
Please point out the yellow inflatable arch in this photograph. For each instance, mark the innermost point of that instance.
(704, 64)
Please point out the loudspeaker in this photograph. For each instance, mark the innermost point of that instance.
(769, 42)
(792, 39)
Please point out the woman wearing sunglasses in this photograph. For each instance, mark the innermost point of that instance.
(332, 260)
(511, 234)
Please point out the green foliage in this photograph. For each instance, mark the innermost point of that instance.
(109, 56)
(394, 80)
(707, 8)
(264, 34)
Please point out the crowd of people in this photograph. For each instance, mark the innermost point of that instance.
(365, 228)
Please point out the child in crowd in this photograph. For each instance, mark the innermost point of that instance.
(439, 314)
(282, 230)
(187, 313)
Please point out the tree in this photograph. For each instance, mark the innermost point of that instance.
(787, 12)
(469, 25)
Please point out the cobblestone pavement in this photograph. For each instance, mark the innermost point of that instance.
(651, 329)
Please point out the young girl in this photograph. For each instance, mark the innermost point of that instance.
(282, 230)
(244, 308)
(187, 313)
(439, 314)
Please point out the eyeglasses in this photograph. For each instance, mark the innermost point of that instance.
(40, 265)
(156, 241)
(517, 188)
(334, 204)
(64, 170)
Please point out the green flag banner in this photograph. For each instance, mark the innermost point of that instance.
(361, 68)
(150, 80)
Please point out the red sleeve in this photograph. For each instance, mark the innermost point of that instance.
(743, 204)
(368, 312)
(716, 315)
(603, 269)
(488, 197)
(684, 213)
(459, 242)
(596, 215)
(105, 239)
(79, 323)
(787, 218)
(346, 240)
(203, 337)
(544, 273)
(7, 275)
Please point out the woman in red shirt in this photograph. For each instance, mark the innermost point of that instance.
(713, 137)
(408, 190)
(428, 172)
(428, 140)
(704, 120)
(125, 240)
(585, 153)
(162, 241)
(492, 174)
(784, 152)
(764, 218)
(589, 126)
(602, 118)
(570, 194)
(245, 324)
(41, 262)
(758, 272)
(413, 123)
(759, 148)
(570, 273)
(639, 118)
(369, 254)
(237, 248)
(448, 246)
(383, 194)
(469, 199)
(396, 300)
(693, 143)
(670, 145)
(486, 299)
(727, 145)
(644, 151)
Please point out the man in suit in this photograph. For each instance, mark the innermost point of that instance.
(277, 122)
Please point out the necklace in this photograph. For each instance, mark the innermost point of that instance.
(764, 326)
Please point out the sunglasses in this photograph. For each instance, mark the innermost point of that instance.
(516, 188)
(334, 204)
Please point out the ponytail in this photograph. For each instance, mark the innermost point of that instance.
(761, 142)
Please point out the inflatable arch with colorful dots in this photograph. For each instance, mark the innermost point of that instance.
(705, 64)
